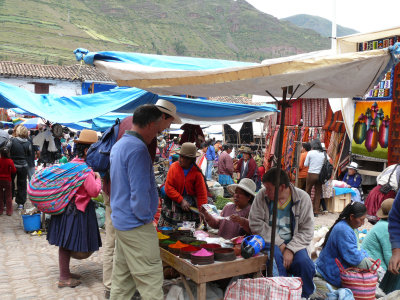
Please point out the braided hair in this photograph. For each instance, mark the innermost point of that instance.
(354, 208)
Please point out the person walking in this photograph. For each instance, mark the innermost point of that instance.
(20, 151)
(75, 231)
(314, 161)
(210, 156)
(225, 166)
(134, 202)
(246, 166)
(7, 169)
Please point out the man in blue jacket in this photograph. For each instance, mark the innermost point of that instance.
(210, 156)
(134, 201)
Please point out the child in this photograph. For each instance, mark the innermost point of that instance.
(7, 169)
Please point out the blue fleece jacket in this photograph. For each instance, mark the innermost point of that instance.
(394, 223)
(210, 154)
(342, 244)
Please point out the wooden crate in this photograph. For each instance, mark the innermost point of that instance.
(338, 203)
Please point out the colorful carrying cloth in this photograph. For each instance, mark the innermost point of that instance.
(51, 189)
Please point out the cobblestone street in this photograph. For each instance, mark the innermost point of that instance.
(29, 266)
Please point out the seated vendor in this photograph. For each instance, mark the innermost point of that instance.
(295, 227)
(353, 181)
(238, 212)
(341, 242)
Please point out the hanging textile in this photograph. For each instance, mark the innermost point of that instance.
(394, 132)
(314, 111)
(290, 148)
(293, 114)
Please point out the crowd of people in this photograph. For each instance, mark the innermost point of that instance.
(131, 257)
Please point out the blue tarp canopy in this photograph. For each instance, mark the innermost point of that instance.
(124, 100)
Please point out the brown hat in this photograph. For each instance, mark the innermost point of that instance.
(188, 150)
(247, 150)
(386, 206)
(87, 136)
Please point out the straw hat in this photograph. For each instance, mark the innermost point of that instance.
(386, 206)
(87, 136)
(188, 150)
(353, 165)
(245, 184)
(247, 150)
(168, 108)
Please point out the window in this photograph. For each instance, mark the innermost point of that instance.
(41, 88)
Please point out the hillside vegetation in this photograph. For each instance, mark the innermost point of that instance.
(47, 31)
(318, 24)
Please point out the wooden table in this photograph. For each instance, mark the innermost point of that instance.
(201, 274)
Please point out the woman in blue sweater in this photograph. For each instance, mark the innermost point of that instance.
(341, 242)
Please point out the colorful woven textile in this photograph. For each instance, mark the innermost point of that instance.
(293, 114)
(51, 189)
(314, 112)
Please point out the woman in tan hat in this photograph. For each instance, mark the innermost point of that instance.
(185, 188)
(75, 230)
(246, 166)
(235, 214)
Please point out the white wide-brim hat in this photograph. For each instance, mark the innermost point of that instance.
(168, 108)
(353, 165)
(245, 184)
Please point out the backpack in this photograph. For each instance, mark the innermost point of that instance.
(98, 155)
(326, 171)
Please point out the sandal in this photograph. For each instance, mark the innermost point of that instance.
(75, 276)
(69, 283)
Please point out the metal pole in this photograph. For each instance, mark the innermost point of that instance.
(277, 184)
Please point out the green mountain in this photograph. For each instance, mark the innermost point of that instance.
(47, 31)
(321, 25)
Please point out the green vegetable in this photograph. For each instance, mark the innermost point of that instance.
(220, 202)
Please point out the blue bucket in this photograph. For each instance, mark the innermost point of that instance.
(31, 223)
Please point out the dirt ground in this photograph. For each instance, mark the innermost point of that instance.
(329, 218)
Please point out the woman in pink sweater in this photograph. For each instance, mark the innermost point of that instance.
(234, 216)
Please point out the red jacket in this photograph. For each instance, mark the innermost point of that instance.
(251, 168)
(6, 169)
(193, 183)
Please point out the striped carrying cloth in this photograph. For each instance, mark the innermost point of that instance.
(362, 282)
(52, 188)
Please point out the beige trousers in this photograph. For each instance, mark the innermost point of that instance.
(137, 264)
(108, 247)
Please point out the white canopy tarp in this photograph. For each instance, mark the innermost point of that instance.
(333, 75)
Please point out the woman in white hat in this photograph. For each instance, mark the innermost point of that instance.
(353, 181)
(185, 188)
(234, 221)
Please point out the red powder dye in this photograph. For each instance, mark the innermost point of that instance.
(202, 252)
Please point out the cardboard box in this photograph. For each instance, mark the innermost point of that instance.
(338, 203)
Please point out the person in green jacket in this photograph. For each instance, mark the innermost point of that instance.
(376, 242)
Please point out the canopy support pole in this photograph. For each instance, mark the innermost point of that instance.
(284, 103)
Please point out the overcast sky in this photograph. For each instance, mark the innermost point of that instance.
(361, 15)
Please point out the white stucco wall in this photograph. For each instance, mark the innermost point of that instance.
(59, 87)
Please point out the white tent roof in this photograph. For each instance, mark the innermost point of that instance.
(344, 75)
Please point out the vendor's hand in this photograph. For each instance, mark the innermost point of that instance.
(236, 219)
(185, 205)
(282, 247)
(287, 258)
(394, 263)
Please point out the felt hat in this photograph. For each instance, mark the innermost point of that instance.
(247, 150)
(188, 150)
(168, 108)
(245, 184)
(87, 136)
(323, 146)
(386, 206)
(353, 165)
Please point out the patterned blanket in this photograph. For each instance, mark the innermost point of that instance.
(51, 189)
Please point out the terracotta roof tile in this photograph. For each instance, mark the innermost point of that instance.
(72, 73)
